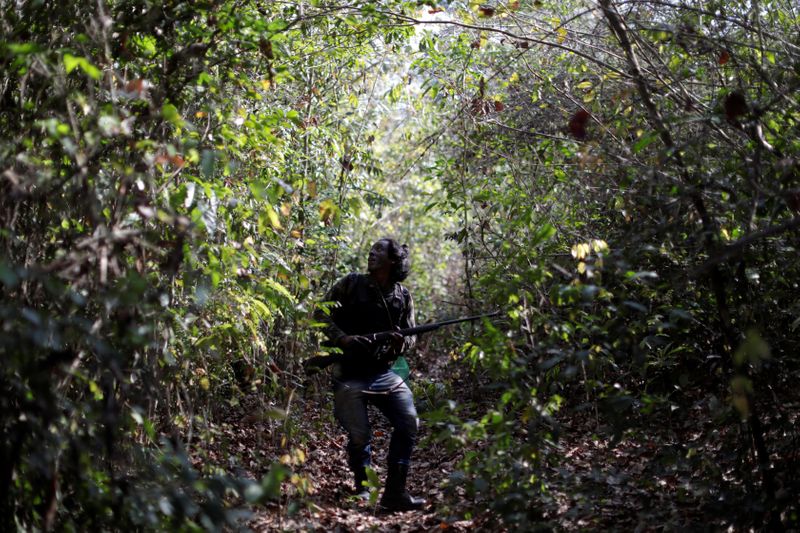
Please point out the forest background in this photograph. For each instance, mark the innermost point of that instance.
(181, 181)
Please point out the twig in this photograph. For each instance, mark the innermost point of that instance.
(738, 247)
(511, 35)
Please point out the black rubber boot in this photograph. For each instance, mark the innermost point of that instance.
(395, 496)
(361, 491)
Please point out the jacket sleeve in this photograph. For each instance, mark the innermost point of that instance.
(407, 320)
(337, 294)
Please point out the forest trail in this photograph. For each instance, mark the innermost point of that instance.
(331, 506)
(328, 504)
(647, 481)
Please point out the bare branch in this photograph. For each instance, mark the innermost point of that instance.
(737, 248)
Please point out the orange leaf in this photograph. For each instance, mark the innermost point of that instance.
(136, 88)
(479, 106)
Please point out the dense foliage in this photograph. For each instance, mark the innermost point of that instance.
(174, 178)
(181, 181)
(657, 144)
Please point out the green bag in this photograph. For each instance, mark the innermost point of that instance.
(401, 368)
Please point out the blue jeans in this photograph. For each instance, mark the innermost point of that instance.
(389, 393)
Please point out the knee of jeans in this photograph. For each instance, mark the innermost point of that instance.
(409, 425)
(359, 438)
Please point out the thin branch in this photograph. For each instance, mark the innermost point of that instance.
(737, 248)
(528, 132)
(511, 35)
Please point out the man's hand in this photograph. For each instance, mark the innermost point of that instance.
(353, 341)
(396, 342)
(392, 346)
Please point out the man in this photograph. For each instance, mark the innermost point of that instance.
(364, 304)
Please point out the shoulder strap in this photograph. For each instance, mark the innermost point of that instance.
(406, 295)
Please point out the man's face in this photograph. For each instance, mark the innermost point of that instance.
(378, 258)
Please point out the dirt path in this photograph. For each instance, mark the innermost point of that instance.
(663, 478)
(322, 473)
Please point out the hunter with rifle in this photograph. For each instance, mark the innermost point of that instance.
(379, 340)
(372, 323)
(365, 304)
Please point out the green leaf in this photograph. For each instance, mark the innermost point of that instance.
(753, 350)
(271, 484)
(261, 307)
(96, 391)
(280, 289)
(71, 62)
(277, 25)
(544, 233)
(146, 44)
(374, 483)
(170, 113)
(23, 48)
(91, 70)
(207, 161)
(274, 221)
(644, 141)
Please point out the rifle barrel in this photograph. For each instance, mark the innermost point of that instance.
(424, 328)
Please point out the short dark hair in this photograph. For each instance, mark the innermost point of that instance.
(399, 256)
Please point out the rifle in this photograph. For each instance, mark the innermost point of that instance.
(320, 362)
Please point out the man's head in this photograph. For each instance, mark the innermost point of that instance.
(388, 254)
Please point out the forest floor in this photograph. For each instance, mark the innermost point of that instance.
(655, 478)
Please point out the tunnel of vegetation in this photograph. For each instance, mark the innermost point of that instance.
(181, 181)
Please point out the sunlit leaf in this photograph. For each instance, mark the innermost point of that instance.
(273, 217)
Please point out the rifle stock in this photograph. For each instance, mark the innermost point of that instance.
(320, 362)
